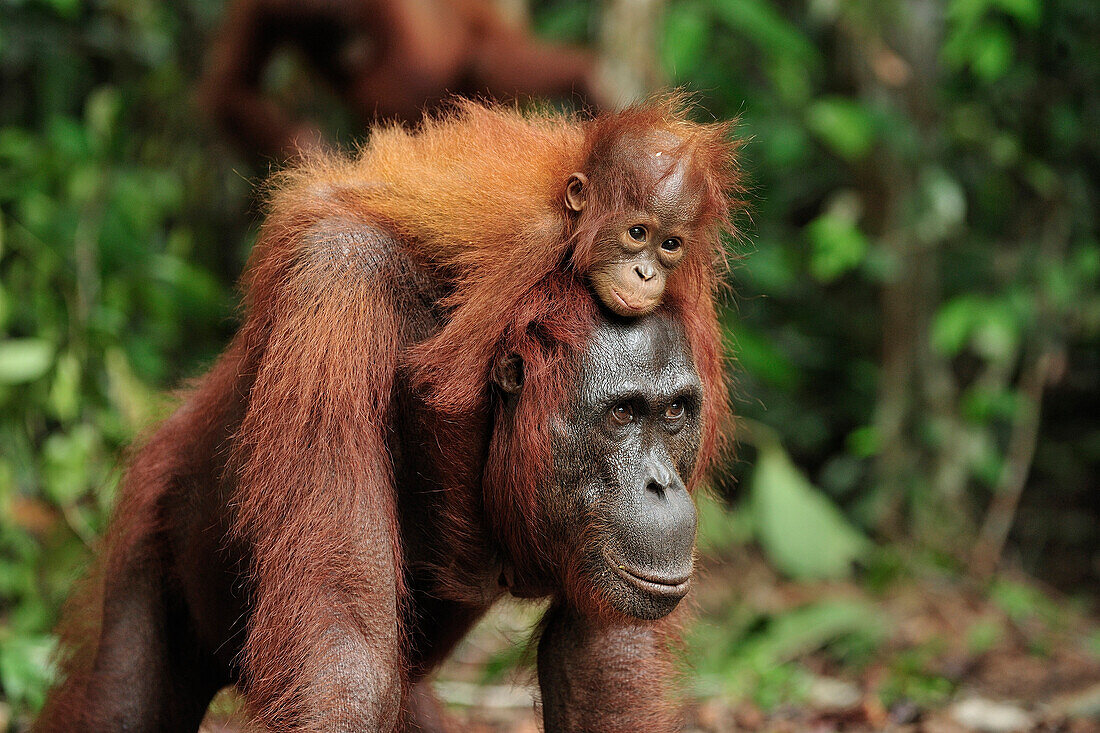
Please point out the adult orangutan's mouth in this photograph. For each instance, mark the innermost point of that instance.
(649, 581)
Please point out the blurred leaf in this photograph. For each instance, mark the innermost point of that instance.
(761, 358)
(65, 394)
(719, 528)
(983, 403)
(843, 125)
(760, 22)
(5, 309)
(686, 35)
(132, 398)
(996, 334)
(1023, 603)
(942, 207)
(102, 111)
(952, 324)
(983, 635)
(563, 22)
(992, 53)
(66, 458)
(1028, 12)
(991, 326)
(986, 48)
(838, 244)
(804, 534)
(791, 82)
(65, 8)
(806, 629)
(25, 668)
(966, 12)
(24, 360)
(785, 143)
(864, 442)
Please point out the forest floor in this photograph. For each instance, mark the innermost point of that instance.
(926, 654)
(905, 652)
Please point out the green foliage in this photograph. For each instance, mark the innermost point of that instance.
(24, 360)
(112, 220)
(912, 677)
(748, 654)
(719, 529)
(838, 244)
(844, 125)
(24, 668)
(946, 179)
(803, 533)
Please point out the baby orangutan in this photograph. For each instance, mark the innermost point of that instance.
(639, 247)
(494, 202)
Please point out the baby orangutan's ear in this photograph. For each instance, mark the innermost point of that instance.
(508, 373)
(575, 193)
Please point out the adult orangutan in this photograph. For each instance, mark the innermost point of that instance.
(385, 59)
(426, 409)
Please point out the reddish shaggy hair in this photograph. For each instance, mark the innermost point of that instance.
(292, 421)
(476, 194)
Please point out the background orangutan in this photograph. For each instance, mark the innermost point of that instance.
(343, 495)
(386, 59)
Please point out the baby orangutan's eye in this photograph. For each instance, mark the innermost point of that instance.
(637, 233)
(622, 413)
(671, 245)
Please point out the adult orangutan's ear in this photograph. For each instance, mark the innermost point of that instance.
(508, 373)
(575, 193)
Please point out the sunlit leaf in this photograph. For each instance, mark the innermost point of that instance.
(720, 529)
(803, 630)
(843, 125)
(942, 205)
(25, 668)
(952, 325)
(102, 111)
(803, 533)
(24, 360)
(65, 392)
(838, 245)
(992, 53)
(66, 458)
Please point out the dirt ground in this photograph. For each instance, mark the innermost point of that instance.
(948, 659)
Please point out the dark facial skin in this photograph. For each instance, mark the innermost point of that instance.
(637, 251)
(617, 503)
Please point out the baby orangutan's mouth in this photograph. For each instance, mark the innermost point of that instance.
(649, 581)
(629, 306)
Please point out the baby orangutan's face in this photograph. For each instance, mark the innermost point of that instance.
(637, 251)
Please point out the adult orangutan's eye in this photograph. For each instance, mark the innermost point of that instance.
(637, 233)
(622, 413)
(672, 244)
(675, 411)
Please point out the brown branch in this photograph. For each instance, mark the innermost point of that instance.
(986, 554)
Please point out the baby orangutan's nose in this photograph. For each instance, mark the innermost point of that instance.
(645, 271)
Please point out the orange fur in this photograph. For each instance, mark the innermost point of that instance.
(477, 193)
